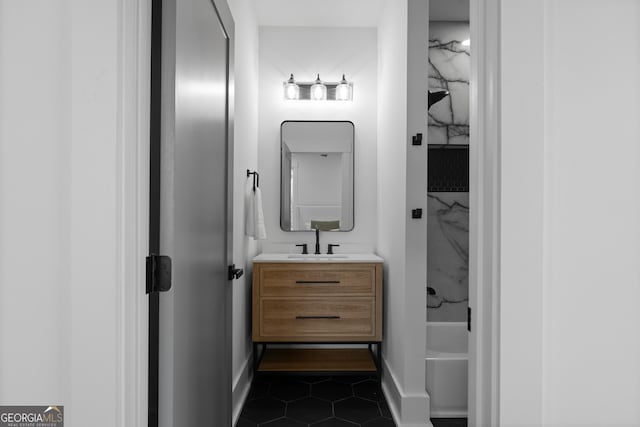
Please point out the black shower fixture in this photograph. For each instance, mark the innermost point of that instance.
(436, 96)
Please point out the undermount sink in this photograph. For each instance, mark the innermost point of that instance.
(318, 257)
(335, 258)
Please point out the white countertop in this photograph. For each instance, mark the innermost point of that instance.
(276, 257)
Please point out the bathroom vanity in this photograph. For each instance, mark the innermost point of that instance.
(319, 299)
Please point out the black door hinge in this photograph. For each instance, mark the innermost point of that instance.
(235, 273)
(469, 319)
(158, 273)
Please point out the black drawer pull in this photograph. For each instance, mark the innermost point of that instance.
(317, 317)
(317, 281)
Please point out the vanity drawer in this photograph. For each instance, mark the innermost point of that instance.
(317, 319)
(321, 280)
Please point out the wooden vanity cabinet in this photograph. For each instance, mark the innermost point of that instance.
(317, 302)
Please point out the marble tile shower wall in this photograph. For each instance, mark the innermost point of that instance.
(448, 213)
(447, 256)
(449, 68)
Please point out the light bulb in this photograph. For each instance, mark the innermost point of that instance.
(318, 90)
(291, 89)
(466, 42)
(343, 90)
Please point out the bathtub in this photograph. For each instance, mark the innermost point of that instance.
(446, 369)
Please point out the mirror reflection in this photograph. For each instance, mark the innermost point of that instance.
(316, 175)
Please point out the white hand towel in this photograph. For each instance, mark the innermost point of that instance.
(249, 214)
(260, 229)
(254, 216)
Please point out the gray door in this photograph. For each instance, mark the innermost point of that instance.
(194, 316)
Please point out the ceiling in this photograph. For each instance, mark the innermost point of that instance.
(319, 13)
(345, 13)
(448, 10)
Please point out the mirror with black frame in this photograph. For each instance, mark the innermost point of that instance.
(316, 170)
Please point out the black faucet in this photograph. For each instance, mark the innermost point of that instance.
(304, 248)
(330, 249)
(317, 252)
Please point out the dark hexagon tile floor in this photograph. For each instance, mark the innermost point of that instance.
(284, 422)
(315, 401)
(368, 390)
(449, 422)
(332, 390)
(357, 410)
(309, 410)
(333, 422)
(321, 401)
(288, 391)
(379, 422)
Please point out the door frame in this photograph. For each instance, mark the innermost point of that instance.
(484, 225)
(134, 47)
(133, 111)
(134, 50)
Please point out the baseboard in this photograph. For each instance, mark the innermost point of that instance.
(241, 387)
(391, 393)
(407, 410)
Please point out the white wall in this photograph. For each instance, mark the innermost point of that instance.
(570, 224)
(522, 218)
(35, 197)
(245, 157)
(330, 52)
(416, 231)
(65, 272)
(402, 241)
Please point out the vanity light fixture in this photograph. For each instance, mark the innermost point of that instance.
(318, 90)
(291, 89)
(344, 90)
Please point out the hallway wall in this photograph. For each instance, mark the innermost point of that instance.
(67, 128)
(35, 196)
(570, 214)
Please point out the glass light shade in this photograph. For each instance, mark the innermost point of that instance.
(344, 90)
(291, 89)
(466, 42)
(318, 90)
